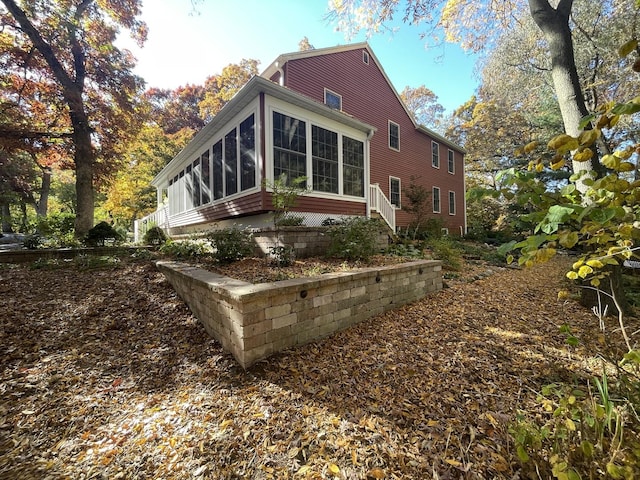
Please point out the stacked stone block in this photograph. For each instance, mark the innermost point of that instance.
(255, 321)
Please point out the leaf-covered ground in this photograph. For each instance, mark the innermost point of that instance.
(106, 374)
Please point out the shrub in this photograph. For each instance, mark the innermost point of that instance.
(282, 255)
(186, 248)
(32, 242)
(56, 230)
(354, 239)
(405, 250)
(446, 250)
(101, 234)
(231, 244)
(154, 236)
(290, 221)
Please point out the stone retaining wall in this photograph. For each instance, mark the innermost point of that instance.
(253, 321)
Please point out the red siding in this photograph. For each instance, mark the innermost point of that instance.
(367, 96)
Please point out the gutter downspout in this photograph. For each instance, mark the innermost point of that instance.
(367, 182)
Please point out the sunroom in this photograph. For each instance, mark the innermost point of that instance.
(222, 176)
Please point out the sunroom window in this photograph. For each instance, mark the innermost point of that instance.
(324, 146)
(289, 146)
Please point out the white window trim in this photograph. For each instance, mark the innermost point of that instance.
(389, 135)
(399, 191)
(452, 171)
(272, 104)
(450, 204)
(436, 149)
(433, 196)
(331, 92)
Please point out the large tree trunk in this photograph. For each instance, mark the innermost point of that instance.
(554, 24)
(42, 206)
(72, 83)
(5, 214)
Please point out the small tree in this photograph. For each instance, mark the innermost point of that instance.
(284, 195)
(418, 202)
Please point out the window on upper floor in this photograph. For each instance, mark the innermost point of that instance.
(365, 57)
(452, 203)
(451, 168)
(435, 198)
(332, 99)
(435, 155)
(394, 135)
(394, 191)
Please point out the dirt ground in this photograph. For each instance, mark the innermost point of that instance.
(104, 373)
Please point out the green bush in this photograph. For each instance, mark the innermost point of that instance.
(354, 239)
(154, 236)
(56, 230)
(231, 244)
(290, 221)
(102, 234)
(446, 250)
(32, 242)
(405, 250)
(186, 248)
(282, 255)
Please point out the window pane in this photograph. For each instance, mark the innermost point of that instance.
(188, 188)
(394, 135)
(218, 191)
(195, 180)
(352, 167)
(332, 100)
(435, 155)
(394, 185)
(324, 147)
(452, 203)
(230, 163)
(247, 154)
(289, 147)
(436, 199)
(451, 162)
(206, 178)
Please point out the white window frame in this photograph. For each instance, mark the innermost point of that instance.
(391, 178)
(451, 162)
(435, 154)
(272, 104)
(389, 135)
(337, 95)
(433, 199)
(452, 205)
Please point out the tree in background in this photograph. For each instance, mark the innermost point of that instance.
(423, 104)
(478, 25)
(69, 47)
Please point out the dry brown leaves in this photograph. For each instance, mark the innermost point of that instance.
(106, 374)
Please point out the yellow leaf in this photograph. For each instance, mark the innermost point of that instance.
(583, 155)
(432, 423)
(558, 165)
(530, 146)
(225, 424)
(584, 271)
(587, 137)
(333, 468)
(304, 469)
(376, 473)
(595, 282)
(626, 167)
(570, 424)
(578, 264)
(572, 275)
(539, 167)
(610, 161)
(563, 294)
(595, 263)
(627, 48)
(453, 462)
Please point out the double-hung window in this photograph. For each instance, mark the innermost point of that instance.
(435, 155)
(394, 191)
(324, 146)
(394, 136)
(289, 147)
(435, 198)
(452, 203)
(451, 168)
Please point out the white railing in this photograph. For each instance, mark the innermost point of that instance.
(380, 203)
(160, 218)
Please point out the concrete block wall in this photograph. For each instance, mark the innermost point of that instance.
(253, 321)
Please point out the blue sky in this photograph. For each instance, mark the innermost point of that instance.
(186, 47)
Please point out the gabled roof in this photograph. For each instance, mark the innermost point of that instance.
(277, 64)
(244, 97)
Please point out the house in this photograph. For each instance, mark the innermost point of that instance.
(329, 114)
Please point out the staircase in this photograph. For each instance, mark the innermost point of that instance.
(378, 202)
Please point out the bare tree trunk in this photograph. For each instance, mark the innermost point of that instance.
(554, 24)
(42, 206)
(5, 213)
